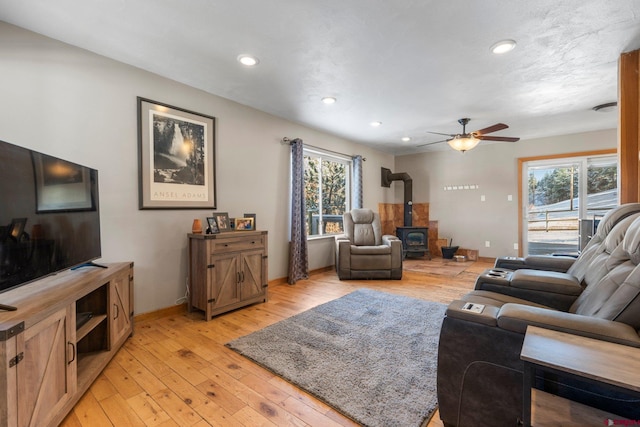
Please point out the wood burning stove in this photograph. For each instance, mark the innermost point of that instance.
(415, 241)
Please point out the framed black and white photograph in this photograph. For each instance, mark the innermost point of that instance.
(212, 225)
(177, 157)
(222, 219)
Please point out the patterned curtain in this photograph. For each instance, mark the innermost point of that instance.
(298, 255)
(357, 182)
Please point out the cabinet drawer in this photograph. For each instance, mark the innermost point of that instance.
(238, 244)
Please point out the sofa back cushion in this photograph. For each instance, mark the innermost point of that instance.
(617, 295)
(580, 268)
(610, 253)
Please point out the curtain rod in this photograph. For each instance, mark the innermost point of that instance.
(288, 141)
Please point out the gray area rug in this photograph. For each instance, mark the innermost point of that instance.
(370, 355)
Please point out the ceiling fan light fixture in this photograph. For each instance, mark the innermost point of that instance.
(503, 46)
(463, 143)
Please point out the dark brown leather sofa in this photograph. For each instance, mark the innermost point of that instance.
(480, 374)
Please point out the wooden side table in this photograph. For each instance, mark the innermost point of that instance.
(613, 365)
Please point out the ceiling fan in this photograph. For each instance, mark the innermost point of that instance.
(466, 141)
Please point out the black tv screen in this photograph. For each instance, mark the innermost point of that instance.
(49, 215)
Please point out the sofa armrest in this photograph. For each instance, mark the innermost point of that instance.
(536, 262)
(516, 318)
(546, 281)
(488, 316)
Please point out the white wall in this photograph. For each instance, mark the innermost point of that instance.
(461, 214)
(79, 106)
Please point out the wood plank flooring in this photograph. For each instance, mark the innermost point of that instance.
(175, 370)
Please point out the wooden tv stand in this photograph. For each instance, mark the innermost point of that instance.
(47, 359)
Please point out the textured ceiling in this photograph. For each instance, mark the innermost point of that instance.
(416, 66)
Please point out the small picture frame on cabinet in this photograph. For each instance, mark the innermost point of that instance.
(222, 219)
(243, 224)
(212, 225)
(252, 215)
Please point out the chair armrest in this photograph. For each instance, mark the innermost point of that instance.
(516, 318)
(388, 238)
(343, 258)
(536, 262)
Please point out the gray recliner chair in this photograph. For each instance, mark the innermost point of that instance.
(363, 252)
(480, 373)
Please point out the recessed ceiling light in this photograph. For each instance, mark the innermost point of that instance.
(248, 60)
(503, 46)
(329, 100)
(406, 139)
(375, 124)
(605, 108)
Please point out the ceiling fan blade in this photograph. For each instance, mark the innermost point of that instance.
(494, 128)
(435, 142)
(445, 134)
(498, 138)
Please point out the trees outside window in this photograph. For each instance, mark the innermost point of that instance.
(327, 184)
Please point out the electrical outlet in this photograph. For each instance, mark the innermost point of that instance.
(482, 198)
(509, 198)
(487, 244)
(515, 246)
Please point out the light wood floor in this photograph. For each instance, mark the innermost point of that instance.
(175, 370)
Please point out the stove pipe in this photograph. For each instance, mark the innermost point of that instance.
(387, 178)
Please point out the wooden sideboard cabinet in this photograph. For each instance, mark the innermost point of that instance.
(227, 270)
(66, 328)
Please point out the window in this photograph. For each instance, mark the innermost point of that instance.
(326, 189)
(564, 195)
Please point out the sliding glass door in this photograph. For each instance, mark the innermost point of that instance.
(565, 198)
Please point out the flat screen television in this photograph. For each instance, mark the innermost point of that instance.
(49, 215)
